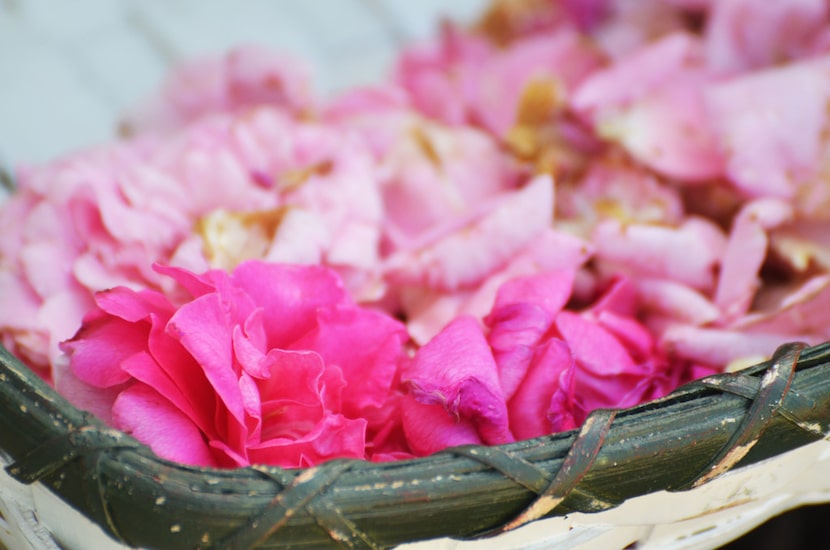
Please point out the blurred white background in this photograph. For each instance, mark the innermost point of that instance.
(68, 68)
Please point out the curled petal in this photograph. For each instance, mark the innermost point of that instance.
(430, 428)
(456, 369)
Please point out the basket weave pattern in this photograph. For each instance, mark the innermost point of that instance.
(688, 438)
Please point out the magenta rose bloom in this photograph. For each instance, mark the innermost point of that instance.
(533, 367)
(270, 364)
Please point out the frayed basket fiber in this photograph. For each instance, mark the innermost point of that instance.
(696, 434)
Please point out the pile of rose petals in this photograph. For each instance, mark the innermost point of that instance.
(570, 205)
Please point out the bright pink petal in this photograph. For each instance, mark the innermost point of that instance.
(524, 310)
(335, 436)
(101, 346)
(365, 345)
(630, 333)
(293, 396)
(143, 413)
(530, 407)
(456, 369)
(289, 296)
(203, 327)
(131, 305)
(431, 428)
(594, 347)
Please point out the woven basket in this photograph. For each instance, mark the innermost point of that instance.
(667, 448)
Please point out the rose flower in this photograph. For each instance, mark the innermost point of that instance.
(270, 364)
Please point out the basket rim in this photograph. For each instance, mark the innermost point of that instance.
(143, 500)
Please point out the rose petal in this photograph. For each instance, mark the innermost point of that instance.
(365, 345)
(289, 296)
(771, 123)
(547, 376)
(687, 254)
(467, 256)
(335, 436)
(745, 252)
(142, 412)
(594, 347)
(524, 310)
(100, 347)
(431, 428)
(456, 369)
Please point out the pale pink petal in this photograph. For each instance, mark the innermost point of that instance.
(803, 313)
(745, 252)
(429, 73)
(637, 74)
(429, 310)
(803, 243)
(258, 76)
(549, 291)
(714, 346)
(676, 301)
(469, 255)
(59, 316)
(687, 254)
(97, 401)
(669, 131)
(18, 303)
(771, 123)
(745, 34)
